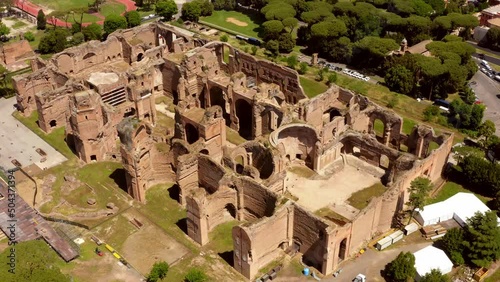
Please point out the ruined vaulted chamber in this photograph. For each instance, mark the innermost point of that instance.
(241, 140)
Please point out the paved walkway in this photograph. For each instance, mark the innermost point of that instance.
(20, 143)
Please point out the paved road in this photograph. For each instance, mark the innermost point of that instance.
(372, 262)
(488, 58)
(488, 91)
(18, 142)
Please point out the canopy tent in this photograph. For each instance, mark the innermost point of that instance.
(430, 258)
(460, 207)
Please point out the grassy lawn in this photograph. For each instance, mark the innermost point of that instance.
(311, 87)
(233, 136)
(63, 5)
(408, 125)
(495, 277)
(331, 215)
(112, 8)
(166, 212)
(115, 232)
(362, 198)
(163, 123)
(55, 138)
(219, 19)
(451, 188)
(221, 238)
(302, 171)
(87, 18)
(378, 127)
(18, 24)
(38, 36)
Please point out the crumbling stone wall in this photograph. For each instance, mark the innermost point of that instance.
(15, 51)
(258, 245)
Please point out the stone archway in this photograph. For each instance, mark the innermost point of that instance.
(192, 134)
(217, 99)
(343, 250)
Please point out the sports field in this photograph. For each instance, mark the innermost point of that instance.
(62, 5)
(236, 22)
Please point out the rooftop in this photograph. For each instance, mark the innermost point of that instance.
(99, 78)
(492, 10)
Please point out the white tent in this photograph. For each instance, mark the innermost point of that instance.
(461, 207)
(430, 258)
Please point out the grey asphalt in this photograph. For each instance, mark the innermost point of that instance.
(372, 262)
(20, 143)
(487, 57)
(488, 91)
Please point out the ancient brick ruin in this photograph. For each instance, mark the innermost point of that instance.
(105, 92)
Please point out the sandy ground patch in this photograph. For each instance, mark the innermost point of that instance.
(316, 194)
(105, 268)
(236, 22)
(150, 244)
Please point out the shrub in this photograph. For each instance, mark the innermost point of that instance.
(29, 36)
(332, 78)
(303, 67)
(195, 275)
(224, 38)
(254, 50)
(393, 101)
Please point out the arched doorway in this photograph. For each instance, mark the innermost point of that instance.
(139, 57)
(334, 113)
(204, 152)
(240, 162)
(379, 128)
(53, 123)
(342, 249)
(191, 133)
(217, 99)
(244, 114)
(230, 210)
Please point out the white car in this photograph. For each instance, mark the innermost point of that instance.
(359, 278)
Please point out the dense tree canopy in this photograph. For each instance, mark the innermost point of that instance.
(399, 79)
(133, 18)
(482, 174)
(492, 39)
(453, 245)
(401, 268)
(435, 276)
(41, 21)
(54, 41)
(114, 22)
(92, 32)
(191, 11)
(482, 237)
(158, 272)
(166, 9)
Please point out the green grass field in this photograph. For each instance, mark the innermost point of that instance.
(55, 138)
(219, 18)
(87, 18)
(362, 198)
(63, 5)
(451, 188)
(112, 8)
(312, 88)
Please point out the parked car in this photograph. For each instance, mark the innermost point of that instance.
(359, 278)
